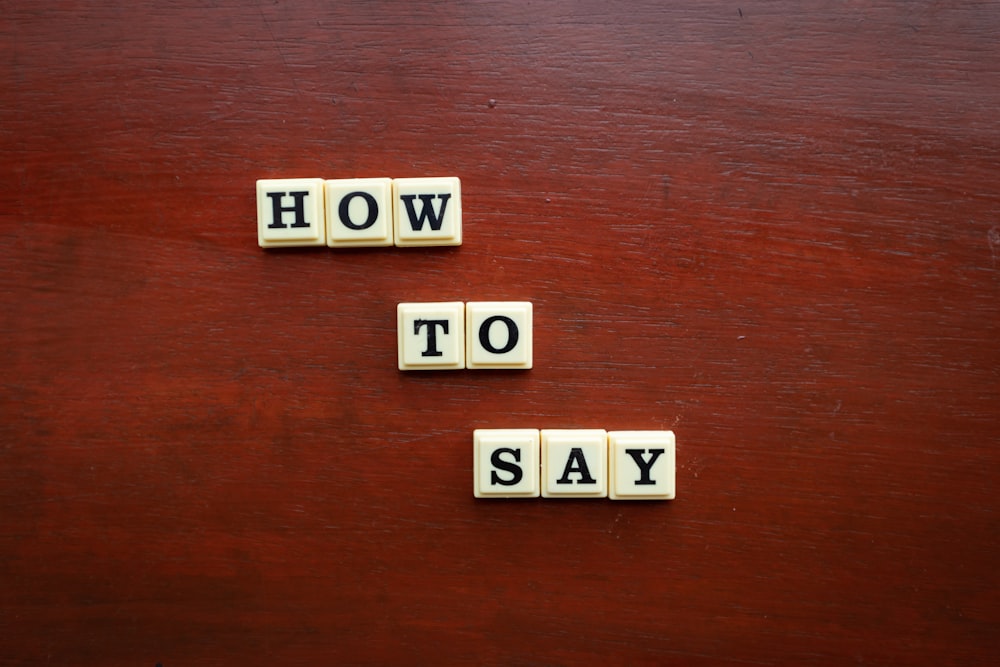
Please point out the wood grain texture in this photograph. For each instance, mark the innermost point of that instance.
(772, 227)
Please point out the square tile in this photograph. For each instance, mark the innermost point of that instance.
(431, 336)
(290, 212)
(427, 211)
(358, 212)
(641, 465)
(505, 463)
(498, 334)
(574, 463)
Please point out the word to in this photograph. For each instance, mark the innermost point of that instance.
(573, 463)
(359, 212)
(452, 335)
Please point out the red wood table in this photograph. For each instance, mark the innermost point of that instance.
(773, 228)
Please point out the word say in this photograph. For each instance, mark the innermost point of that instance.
(453, 335)
(573, 463)
(356, 212)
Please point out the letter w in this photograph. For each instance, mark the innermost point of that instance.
(426, 211)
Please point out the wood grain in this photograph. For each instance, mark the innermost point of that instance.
(772, 227)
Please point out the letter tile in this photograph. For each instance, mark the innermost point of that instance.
(574, 463)
(290, 212)
(431, 336)
(498, 334)
(427, 211)
(641, 465)
(505, 463)
(359, 212)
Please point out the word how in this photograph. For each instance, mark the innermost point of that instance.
(452, 335)
(359, 212)
(573, 463)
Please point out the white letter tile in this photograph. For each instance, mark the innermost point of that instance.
(641, 465)
(427, 211)
(574, 463)
(359, 212)
(498, 334)
(431, 336)
(505, 463)
(290, 212)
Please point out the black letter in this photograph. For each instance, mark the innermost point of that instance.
(484, 334)
(431, 350)
(345, 210)
(576, 455)
(644, 467)
(277, 209)
(426, 212)
(514, 470)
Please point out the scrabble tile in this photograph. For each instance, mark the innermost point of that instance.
(574, 463)
(358, 212)
(641, 465)
(505, 463)
(431, 336)
(498, 334)
(427, 211)
(290, 212)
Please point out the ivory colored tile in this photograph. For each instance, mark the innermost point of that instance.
(427, 211)
(431, 336)
(358, 212)
(641, 465)
(290, 212)
(505, 463)
(498, 334)
(574, 463)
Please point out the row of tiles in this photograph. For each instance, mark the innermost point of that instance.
(359, 212)
(451, 335)
(573, 463)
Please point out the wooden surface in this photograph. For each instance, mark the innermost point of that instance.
(771, 227)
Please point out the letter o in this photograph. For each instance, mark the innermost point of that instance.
(345, 210)
(484, 334)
